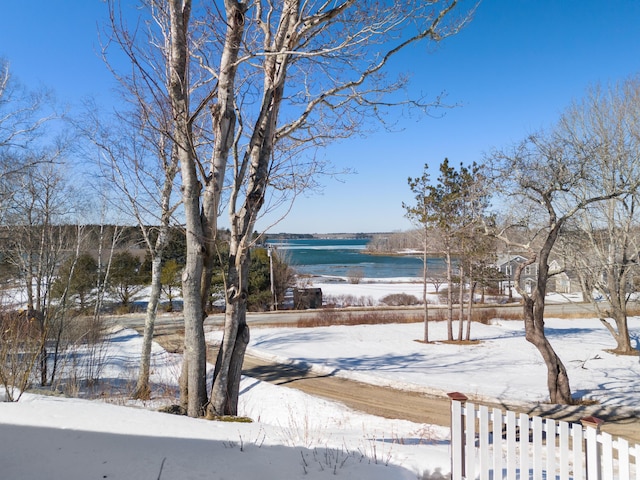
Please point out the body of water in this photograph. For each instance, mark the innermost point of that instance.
(343, 257)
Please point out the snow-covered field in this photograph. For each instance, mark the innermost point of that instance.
(295, 436)
(371, 289)
(376, 289)
(502, 366)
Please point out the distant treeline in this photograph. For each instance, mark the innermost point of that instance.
(314, 236)
(394, 242)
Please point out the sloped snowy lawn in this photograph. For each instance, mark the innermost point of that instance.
(503, 365)
(50, 438)
(294, 435)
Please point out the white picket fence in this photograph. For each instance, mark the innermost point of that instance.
(489, 444)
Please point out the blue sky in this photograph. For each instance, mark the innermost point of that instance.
(513, 70)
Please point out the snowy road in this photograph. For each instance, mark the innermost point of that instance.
(289, 317)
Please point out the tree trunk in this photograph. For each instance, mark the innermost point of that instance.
(228, 369)
(193, 378)
(43, 357)
(533, 309)
(424, 288)
(620, 334)
(557, 378)
(449, 298)
(587, 290)
(472, 291)
(224, 121)
(618, 304)
(461, 303)
(143, 391)
(193, 388)
(226, 382)
(253, 168)
(229, 386)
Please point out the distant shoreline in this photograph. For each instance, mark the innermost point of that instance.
(321, 236)
(391, 254)
(408, 253)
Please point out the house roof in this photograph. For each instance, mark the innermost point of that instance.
(504, 259)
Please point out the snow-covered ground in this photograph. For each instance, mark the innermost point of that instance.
(502, 366)
(376, 289)
(371, 289)
(296, 436)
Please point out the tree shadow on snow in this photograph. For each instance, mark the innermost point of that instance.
(42, 452)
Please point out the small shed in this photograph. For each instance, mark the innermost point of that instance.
(304, 298)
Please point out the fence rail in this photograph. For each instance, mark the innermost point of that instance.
(490, 444)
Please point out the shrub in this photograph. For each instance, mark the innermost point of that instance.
(342, 301)
(399, 299)
(328, 317)
(21, 342)
(355, 275)
(484, 315)
(443, 295)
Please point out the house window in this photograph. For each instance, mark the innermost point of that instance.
(527, 270)
(529, 286)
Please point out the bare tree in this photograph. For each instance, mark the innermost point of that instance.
(138, 160)
(606, 245)
(40, 242)
(546, 180)
(320, 68)
(139, 152)
(171, 84)
(277, 81)
(35, 201)
(24, 116)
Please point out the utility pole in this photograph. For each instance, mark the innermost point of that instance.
(274, 303)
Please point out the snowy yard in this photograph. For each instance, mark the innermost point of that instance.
(295, 435)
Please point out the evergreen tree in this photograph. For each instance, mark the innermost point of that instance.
(125, 277)
(81, 283)
(170, 277)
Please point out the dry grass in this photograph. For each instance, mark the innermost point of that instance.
(229, 419)
(327, 317)
(481, 314)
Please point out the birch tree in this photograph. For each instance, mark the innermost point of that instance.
(321, 68)
(34, 198)
(261, 86)
(23, 113)
(138, 154)
(138, 161)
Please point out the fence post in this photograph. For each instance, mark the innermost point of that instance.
(457, 436)
(592, 448)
